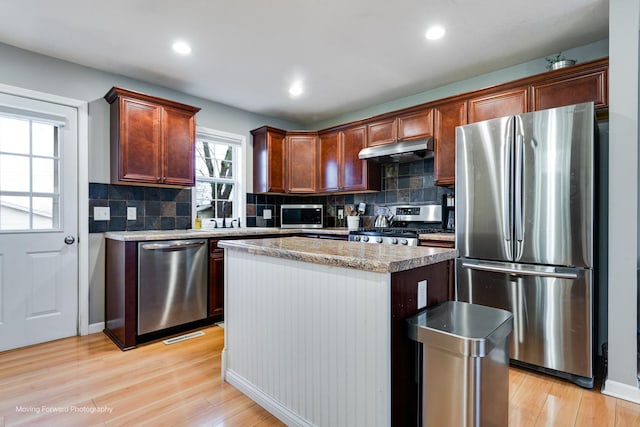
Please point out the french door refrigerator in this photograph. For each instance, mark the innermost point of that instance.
(525, 232)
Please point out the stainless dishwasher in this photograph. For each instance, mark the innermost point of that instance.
(172, 283)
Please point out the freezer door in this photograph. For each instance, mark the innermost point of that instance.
(484, 163)
(554, 186)
(551, 306)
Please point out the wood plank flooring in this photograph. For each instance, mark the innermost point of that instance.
(82, 381)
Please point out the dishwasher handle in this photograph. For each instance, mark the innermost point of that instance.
(177, 245)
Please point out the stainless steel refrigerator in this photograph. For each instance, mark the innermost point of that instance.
(525, 198)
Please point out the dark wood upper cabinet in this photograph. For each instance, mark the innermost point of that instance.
(340, 168)
(329, 161)
(415, 125)
(152, 140)
(356, 174)
(382, 132)
(446, 117)
(500, 104)
(269, 160)
(301, 162)
(573, 89)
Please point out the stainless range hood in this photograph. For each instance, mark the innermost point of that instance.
(400, 152)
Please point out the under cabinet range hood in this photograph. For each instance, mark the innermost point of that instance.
(400, 152)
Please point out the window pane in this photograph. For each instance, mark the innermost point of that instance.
(44, 140)
(45, 215)
(14, 213)
(14, 173)
(214, 160)
(204, 196)
(44, 175)
(14, 135)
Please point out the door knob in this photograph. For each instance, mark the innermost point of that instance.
(69, 240)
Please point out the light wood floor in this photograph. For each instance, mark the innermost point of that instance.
(61, 382)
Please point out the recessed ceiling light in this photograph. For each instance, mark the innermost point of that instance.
(434, 33)
(182, 48)
(296, 89)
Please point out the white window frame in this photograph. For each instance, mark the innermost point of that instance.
(239, 173)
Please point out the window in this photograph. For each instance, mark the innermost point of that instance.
(218, 170)
(29, 174)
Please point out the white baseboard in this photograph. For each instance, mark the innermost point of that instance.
(275, 408)
(621, 391)
(96, 327)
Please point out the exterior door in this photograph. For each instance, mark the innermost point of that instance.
(38, 221)
(483, 190)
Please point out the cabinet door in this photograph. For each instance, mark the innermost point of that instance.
(382, 132)
(301, 160)
(507, 103)
(329, 162)
(216, 280)
(355, 172)
(446, 118)
(415, 125)
(138, 127)
(179, 138)
(268, 160)
(572, 90)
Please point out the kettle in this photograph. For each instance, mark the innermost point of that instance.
(382, 220)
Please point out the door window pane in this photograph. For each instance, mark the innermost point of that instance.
(14, 213)
(14, 173)
(14, 135)
(44, 175)
(43, 209)
(45, 141)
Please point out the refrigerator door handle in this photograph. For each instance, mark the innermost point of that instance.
(518, 190)
(506, 197)
(522, 271)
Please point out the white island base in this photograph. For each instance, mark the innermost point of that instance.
(308, 342)
(315, 329)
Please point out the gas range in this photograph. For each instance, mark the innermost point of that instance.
(409, 221)
(389, 236)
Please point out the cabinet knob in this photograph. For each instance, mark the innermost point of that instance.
(158, 179)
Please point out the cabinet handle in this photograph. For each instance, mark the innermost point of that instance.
(158, 179)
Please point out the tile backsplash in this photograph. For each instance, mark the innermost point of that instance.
(410, 183)
(156, 208)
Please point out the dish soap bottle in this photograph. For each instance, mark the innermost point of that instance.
(198, 222)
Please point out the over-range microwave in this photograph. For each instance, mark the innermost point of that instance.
(301, 216)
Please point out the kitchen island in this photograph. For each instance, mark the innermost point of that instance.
(314, 329)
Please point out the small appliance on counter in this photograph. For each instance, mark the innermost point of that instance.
(301, 216)
(449, 212)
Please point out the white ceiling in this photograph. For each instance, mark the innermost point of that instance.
(349, 54)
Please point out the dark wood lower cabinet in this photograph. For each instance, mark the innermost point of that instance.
(121, 293)
(216, 281)
(405, 379)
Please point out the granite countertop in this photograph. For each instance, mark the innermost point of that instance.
(339, 253)
(127, 236)
(148, 235)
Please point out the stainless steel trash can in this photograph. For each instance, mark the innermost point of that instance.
(465, 364)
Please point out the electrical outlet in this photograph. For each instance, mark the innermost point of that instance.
(101, 213)
(131, 213)
(266, 214)
(422, 294)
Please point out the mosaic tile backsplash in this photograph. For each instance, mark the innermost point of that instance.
(401, 183)
(156, 208)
